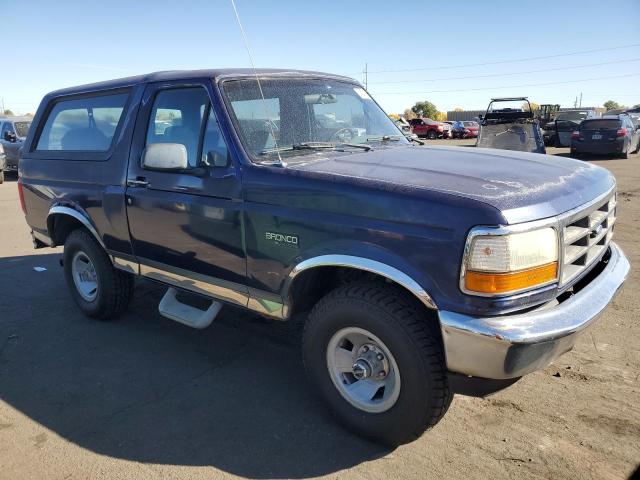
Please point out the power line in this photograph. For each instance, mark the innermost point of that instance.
(499, 62)
(507, 74)
(510, 86)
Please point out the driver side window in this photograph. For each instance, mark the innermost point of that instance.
(177, 117)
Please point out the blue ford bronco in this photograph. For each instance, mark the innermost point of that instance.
(420, 272)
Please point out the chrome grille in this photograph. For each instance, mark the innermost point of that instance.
(586, 236)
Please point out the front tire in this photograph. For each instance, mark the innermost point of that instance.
(376, 358)
(431, 135)
(100, 290)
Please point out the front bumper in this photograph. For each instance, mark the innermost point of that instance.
(511, 346)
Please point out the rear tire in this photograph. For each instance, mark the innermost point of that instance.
(431, 135)
(100, 290)
(394, 324)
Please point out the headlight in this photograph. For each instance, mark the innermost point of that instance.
(509, 263)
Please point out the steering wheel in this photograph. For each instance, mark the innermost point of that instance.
(334, 135)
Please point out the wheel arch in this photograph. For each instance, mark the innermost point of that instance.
(306, 269)
(62, 220)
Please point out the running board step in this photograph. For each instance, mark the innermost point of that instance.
(174, 309)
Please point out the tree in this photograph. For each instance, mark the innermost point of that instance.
(458, 109)
(440, 116)
(8, 112)
(611, 105)
(425, 109)
(637, 105)
(534, 106)
(409, 115)
(394, 116)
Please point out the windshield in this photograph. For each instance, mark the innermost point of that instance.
(22, 128)
(304, 111)
(575, 115)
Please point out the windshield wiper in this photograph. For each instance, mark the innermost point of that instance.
(316, 146)
(385, 138)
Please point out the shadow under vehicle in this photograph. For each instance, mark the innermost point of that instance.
(511, 127)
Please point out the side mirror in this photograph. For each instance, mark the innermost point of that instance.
(216, 160)
(165, 157)
(10, 136)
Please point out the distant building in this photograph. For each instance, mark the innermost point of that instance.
(464, 115)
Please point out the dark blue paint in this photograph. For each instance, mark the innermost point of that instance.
(408, 207)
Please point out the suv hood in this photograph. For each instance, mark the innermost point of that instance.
(523, 186)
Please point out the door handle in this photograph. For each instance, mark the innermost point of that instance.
(137, 183)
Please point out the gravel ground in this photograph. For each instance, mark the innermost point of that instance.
(145, 397)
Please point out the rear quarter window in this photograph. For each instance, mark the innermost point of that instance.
(85, 124)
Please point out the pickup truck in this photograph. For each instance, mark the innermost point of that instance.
(419, 272)
(13, 131)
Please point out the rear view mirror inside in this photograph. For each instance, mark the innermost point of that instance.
(320, 98)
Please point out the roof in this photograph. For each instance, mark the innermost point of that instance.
(172, 75)
(508, 99)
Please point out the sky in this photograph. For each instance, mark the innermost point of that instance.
(454, 54)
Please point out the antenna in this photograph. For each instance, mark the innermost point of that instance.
(366, 76)
(255, 72)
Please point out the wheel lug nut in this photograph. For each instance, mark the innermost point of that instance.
(382, 373)
(365, 349)
(379, 356)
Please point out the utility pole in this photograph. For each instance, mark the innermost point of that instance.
(580, 99)
(366, 75)
(575, 102)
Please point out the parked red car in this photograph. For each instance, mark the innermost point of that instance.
(466, 129)
(425, 127)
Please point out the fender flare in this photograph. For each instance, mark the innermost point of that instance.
(361, 263)
(72, 212)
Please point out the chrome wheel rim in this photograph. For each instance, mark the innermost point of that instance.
(363, 370)
(84, 276)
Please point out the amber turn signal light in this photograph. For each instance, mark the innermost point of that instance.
(492, 283)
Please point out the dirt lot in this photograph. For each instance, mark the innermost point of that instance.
(145, 397)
